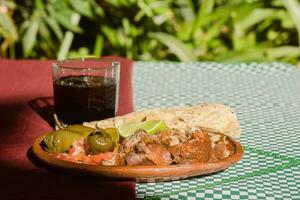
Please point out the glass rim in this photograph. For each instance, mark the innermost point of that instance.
(59, 63)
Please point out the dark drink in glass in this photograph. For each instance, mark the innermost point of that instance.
(84, 98)
(88, 94)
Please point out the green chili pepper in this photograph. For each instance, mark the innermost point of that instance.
(99, 142)
(84, 130)
(60, 141)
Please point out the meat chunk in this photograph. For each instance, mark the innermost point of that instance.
(172, 137)
(222, 148)
(197, 149)
(139, 136)
(133, 158)
(143, 149)
(157, 153)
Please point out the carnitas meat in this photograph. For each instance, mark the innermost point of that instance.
(222, 147)
(144, 149)
(171, 137)
(172, 147)
(196, 149)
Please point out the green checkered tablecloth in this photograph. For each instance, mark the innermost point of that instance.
(266, 98)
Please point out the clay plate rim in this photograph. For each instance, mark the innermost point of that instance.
(143, 173)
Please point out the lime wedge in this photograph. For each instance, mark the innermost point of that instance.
(128, 129)
(153, 126)
(113, 132)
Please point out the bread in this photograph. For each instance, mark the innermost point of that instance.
(218, 117)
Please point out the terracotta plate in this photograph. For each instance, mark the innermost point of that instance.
(139, 173)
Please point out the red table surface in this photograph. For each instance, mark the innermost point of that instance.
(26, 108)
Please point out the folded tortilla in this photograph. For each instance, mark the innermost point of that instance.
(218, 117)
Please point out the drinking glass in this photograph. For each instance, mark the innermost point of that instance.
(85, 89)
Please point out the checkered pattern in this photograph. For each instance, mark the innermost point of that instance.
(266, 98)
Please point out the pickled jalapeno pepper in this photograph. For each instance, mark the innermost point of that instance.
(99, 142)
(60, 141)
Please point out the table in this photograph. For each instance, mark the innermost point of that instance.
(266, 98)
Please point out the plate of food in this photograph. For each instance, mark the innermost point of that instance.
(147, 146)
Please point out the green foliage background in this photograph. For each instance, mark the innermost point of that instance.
(180, 30)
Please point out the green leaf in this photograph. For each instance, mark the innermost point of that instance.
(139, 16)
(186, 10)
(121, 38)
(44, 31)
(126, 26)
(184, 31)
(12, 51)
(175, 46)
(82, 7)
(283, 51)
(68, 39)
(96, 7)
(206, 7)
(30, 38)
(52, 23)
(220, 12)
(145, 8)
(8, 27)
(98, 45)
(293, 7)
(39, 4)
(160, 7)
(256, 16)
(24, 26)
(58, 5)
(256, 54)
(110, 34)
(67, 18)
(244, 10)
(65, 46)
(120, 3)
(82, 52)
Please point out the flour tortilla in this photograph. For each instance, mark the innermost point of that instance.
(218, 117)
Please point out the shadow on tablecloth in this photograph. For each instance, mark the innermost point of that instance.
(44, 106)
